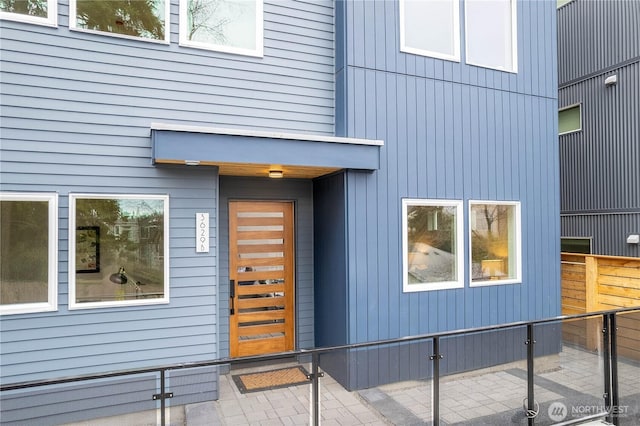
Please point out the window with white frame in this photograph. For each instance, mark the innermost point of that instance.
(570, 119)
(430, 28)
(140, 19)
(28, 252)
(231, 26)
(118, 250)
(494, 228)
(42, 12)
(432, 244)
(490, 34)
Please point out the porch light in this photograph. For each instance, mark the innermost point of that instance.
(276, 174)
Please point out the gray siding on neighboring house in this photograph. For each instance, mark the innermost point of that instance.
(594, 35)
(608, 231)
(76, 115)
(600, 164)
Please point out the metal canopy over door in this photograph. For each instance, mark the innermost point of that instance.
(261, 273)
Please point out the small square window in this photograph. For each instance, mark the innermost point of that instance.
(430, 28)
(118, 246)
(570, 119)
(432, 244)
(491, 34)
(231, 26)
(139, 19)
(495, 242)
(28, 252)
(43, 12)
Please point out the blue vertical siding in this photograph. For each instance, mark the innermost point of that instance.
(330, 260)
(451, 131)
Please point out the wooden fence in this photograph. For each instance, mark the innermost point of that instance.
(593, 283)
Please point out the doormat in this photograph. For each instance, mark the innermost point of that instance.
(272, 379)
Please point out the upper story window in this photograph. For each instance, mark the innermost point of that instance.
(232, 26)
(33, 11)
(430, 28)
(491, 40)
(140, 19)
(432, 243)
(118, 250)
(494, 228)
(28, 252)
(570, 119)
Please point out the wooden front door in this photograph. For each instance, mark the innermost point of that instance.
(261, 274)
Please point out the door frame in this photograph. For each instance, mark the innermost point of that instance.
(263, 304)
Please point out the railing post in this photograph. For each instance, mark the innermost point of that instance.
(606, 353)
(315, 389)
(162, 399)
(436, 357)
(162, 396)
(615, 398)
(532, 411)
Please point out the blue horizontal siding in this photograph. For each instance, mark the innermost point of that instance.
(38, 346)
(289, 89)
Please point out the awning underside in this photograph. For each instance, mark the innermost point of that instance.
(255, 153)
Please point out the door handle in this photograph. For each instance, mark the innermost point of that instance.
(232, 294)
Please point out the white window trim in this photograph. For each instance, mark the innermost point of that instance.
(73, 305)
(579, 129)
(51, 20)
(167, 25)
(459, 282)
(52, 296)
(514, 41)
(258, 52)
(416, 51)
(517, 240)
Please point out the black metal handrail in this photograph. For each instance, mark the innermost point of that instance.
(611, 379)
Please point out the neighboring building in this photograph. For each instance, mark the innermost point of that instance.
(599, 102)
(419, 188)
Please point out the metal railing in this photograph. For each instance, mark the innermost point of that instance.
(611, 394)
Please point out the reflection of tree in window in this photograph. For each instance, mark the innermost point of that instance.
(432, 225)
(222, 22)
(23, 251)
(490, 230)
(25, 7)
(431, 237)
(204, 17)
(139, 18)
(132, 237)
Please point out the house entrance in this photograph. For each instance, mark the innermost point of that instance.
(261, 273)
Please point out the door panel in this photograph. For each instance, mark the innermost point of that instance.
(261, 272)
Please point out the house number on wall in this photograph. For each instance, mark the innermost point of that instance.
(202, 232)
